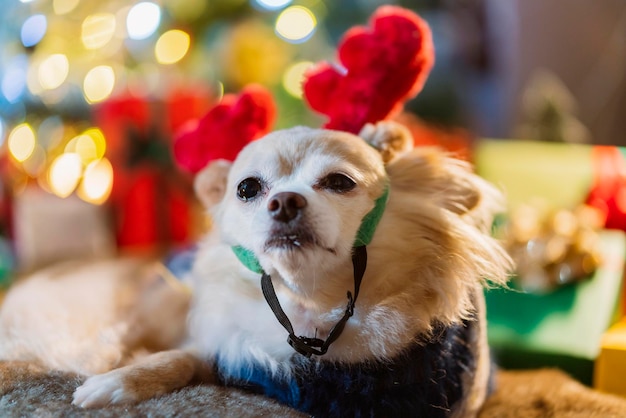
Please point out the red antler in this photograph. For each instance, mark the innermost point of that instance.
(382, 68)
(226, 128)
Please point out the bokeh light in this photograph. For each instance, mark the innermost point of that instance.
(97, 137)
(84, 147)
(65, 173)
(33, 30)
(62, 7)
(22, 142)
(53, 71)
(36, 162)
(296, 24)
(50, 132)
(172, 46)
(97, 182)
(89, 146)
(14, 78)
(293, 77)
(99, 83)
(97, 30)
(186, 10)
(271, 4)
(32, 78)
(143, 20)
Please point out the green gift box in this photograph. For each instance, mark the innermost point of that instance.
(562, 328)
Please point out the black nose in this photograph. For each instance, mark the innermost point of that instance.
(286, 206)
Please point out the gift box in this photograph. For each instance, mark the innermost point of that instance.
(49, 229)
(559, 174)
(610, 367)
(562, 328)
(152, 202)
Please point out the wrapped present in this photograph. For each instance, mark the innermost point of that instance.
(562, 328)
(610, 366)
(48, 229)
(558, 174)
(152, 201)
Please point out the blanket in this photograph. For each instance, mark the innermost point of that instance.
(26, 390)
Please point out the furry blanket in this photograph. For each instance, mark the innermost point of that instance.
(25, 390)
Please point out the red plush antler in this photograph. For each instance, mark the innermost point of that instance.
(226, 129)
(382, 68)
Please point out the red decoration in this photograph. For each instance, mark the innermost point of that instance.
(226, 129)
(608, 192)
(151, 199)
(381, 68)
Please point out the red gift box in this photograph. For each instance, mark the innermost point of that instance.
(151, 200)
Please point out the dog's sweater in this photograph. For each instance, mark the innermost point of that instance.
(425, 380)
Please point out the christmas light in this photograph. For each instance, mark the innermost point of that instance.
(296, 24)
(22, 142)
(98, 139)
(53, 71)
(50, 132)
(293, 77)
(35, 163)
(90, 145)
(33, 30)
(171, 46)
(99, 83)
(62, 7)
(143, 20)
(65, 173)
(97, 182)
(14, 79)
(97, 30)
(84, 147)
(32, 78)
(271, 4)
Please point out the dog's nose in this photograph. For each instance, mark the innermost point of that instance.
(286, 206)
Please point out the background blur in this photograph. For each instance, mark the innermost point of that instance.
(92, 93)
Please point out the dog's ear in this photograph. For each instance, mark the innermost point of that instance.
(389, 138)
(210, 182)
(448, 182)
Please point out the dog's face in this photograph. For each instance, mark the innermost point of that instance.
(296, 199)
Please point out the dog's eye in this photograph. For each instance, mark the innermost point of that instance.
(337, 182)
(248, 189)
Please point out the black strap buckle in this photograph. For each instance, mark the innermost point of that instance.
(305, 345)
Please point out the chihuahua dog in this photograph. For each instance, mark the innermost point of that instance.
(342, 276)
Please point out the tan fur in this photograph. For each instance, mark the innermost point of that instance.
(429, 258)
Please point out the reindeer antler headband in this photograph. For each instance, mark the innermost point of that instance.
(380, 68)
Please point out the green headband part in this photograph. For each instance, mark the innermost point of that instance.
(364, 235)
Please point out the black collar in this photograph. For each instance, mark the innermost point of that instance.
(307, 345)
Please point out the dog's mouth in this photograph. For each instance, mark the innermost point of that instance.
(290, 240)
(293, 239)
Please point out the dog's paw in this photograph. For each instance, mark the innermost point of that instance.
(103, 389)
(388, 137)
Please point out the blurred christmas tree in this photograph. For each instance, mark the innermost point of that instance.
(92, 93)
